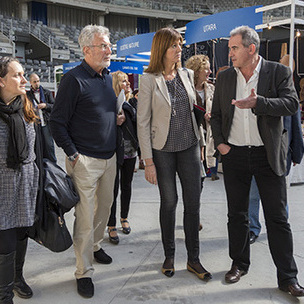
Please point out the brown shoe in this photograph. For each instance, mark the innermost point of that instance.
(295, 289)
(214, 177)
(234, 274)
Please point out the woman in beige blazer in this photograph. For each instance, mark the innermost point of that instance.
(170, 143)
(200, 64)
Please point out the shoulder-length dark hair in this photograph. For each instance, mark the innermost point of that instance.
(28, 110)
(162, 40)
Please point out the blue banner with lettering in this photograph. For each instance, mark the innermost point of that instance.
(134, 44)
(126, 67)
(69, 66)
(143, 58)
(219, 25)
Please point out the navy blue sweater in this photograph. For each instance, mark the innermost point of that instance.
(83, 118)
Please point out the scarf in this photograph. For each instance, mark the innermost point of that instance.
(12, 115)
(40, 90)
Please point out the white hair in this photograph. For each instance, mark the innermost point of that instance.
(87, 34)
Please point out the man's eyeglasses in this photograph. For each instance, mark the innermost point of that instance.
(102, 46)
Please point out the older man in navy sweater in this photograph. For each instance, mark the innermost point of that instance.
(83, 123)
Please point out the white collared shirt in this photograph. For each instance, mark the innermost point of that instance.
(244, 129)
(37, 96)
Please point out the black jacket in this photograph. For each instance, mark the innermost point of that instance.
(49, 100)
(126, 131)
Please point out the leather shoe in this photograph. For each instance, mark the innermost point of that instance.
(168, 267)
(234, 274)
(200, 271)
(113, 239)
(101, 257)
(85, 287)
(294, 289)
(252, 237)
(22, 289)
(125, 229)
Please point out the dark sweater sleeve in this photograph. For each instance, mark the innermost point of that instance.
(63, 109)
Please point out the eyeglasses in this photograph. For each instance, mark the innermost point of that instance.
(102, 46)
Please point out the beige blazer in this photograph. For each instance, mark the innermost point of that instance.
(210, 160)
(154, 111)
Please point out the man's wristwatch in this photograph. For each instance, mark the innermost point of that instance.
(73, 157)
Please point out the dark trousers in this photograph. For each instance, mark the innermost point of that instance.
(9, 238)
(48, 144)
(125, 172)
(239, 165)
(187, 165)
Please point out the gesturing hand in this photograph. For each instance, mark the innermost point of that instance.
(246, 103)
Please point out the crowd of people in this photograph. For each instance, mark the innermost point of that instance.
(242, 128)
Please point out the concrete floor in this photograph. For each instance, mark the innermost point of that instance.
(135, 274)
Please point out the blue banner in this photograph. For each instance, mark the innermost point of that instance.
(219, 25)
(139, 58)
(134, 44)
(126, 67)
(70, 66)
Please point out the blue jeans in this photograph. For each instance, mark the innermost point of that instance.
(187, 165)
(254, 208)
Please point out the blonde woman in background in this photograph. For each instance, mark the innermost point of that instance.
(201, 66)
(126, 154)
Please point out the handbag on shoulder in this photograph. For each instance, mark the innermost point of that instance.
(199, 113)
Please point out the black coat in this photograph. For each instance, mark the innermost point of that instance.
(126, 131)
(49, 100)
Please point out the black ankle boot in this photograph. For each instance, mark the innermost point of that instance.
(20, 287)
(7, 268)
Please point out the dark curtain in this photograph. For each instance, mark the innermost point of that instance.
(39, 12)
(143, 25)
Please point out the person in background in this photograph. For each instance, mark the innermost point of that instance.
(43, 102)
(133, 102)
(249, 101)
(294, 156)
(200, 64)
(170, 141)
(19, 178)
(126, 159)
(83, 123)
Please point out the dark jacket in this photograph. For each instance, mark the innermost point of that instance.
(295, 139)
(127, 131)
(49, 100)
(277, 97)
(129, 126)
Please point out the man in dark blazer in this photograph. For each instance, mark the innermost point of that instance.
(43, 102)
(249, 101)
